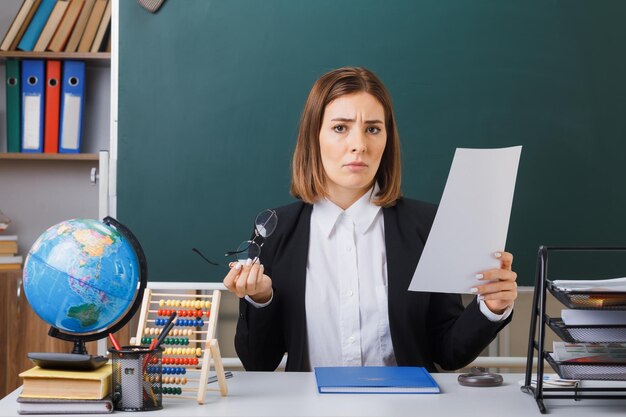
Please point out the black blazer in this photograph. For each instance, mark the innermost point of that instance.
(426, 328)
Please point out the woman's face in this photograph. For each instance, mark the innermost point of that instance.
(352, 141)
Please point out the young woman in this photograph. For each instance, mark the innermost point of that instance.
(331, 284)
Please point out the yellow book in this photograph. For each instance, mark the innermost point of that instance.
(102, 29)
(79, 28)
(62, 34)
(53, 383)
(92, 25)
(51, 25)
(10, 263)
(8, 248)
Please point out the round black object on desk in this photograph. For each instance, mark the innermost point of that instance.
(480, 377)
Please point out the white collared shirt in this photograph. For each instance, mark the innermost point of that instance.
(346, 286)
(347, 315)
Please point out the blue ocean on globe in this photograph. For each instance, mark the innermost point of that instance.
(81, 276)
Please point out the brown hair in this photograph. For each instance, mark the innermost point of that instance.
(308, 179)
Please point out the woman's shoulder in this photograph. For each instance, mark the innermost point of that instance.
(291, 210)
(290, 215)
(410, 214)
(414, 208)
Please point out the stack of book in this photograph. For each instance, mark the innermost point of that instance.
(60, 26)
(51, 391)
(9, 259)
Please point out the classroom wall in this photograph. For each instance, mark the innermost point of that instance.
(39, 194)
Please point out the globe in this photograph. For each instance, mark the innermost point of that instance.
(84, 277)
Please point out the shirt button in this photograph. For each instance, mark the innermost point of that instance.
(349, 248)
(349, 293)
(351, 339)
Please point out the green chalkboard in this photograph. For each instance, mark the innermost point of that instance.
(210, 92)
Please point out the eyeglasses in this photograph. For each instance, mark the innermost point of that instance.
(264, 225)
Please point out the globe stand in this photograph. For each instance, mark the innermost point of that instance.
(67, 361)
(78, 359)
(79, 348)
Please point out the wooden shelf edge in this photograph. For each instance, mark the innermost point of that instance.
(51, 156)
(88, 56)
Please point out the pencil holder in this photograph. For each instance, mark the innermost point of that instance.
(137, 378)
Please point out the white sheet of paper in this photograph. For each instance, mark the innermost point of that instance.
(471, 222)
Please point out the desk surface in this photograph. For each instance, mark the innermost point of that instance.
(295, 394)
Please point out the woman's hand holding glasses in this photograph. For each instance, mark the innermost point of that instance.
(247, 278)
(246, 275)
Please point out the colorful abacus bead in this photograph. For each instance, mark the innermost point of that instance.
(174, 370)
(172, 390)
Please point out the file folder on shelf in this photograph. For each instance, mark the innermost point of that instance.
(14, 108)
(39, 20)
(53, 101)
(72, 99)
(33, 79)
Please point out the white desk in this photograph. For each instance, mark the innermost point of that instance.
(295, 394)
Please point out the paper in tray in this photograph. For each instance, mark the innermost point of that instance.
(589, 300)
(593, 334)
(588, 371)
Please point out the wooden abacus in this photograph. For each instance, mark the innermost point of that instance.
(196, 323)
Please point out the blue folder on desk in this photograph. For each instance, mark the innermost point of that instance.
(375, 380)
